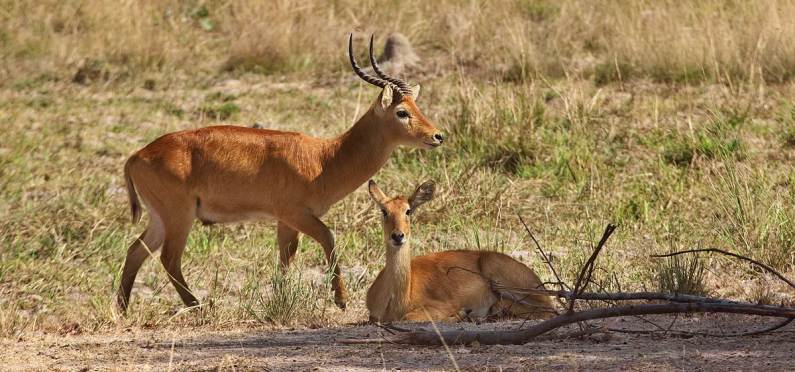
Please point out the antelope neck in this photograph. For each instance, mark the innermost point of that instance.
(398, 272)
(356, 155)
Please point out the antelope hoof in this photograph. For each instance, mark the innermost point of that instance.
(121, 306)
(340, 300)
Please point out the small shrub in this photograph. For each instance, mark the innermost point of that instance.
(288, 299)
(761, 292)
(682, 275)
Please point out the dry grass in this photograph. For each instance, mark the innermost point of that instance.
(610, 40)
(673, 119)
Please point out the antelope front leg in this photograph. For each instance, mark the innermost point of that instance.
(171, 257)
(315, 228)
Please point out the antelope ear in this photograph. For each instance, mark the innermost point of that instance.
(423, 194)
(386, 97)
(375, 192)
(415, 92)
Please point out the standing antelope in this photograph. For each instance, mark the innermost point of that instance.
(227, 174)
(445, 285)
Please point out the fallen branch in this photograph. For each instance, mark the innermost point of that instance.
(735, 255)
(546, 259)
(517, 337)
(618, 296)
(587, 269)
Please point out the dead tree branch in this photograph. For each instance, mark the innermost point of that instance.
(547, 259)
(587, 269)
(617, 296)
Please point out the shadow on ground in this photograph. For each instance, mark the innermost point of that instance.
(319, 349)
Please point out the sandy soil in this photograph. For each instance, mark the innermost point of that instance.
(319, 349)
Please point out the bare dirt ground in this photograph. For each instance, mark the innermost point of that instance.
(320, 349)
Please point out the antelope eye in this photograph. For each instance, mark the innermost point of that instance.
(402, 114)
(409, 212)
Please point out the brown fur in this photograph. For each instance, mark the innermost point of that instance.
(446, 285)
(228, 174)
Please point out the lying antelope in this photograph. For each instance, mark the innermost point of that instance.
(447, 285)
(226, 174)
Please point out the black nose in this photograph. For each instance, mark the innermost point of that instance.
(438, 137)
(398, 237)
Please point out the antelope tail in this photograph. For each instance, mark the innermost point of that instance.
(135, 204)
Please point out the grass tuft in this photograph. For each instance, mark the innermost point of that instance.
(718, 140)
(286, 299)
(682, 275)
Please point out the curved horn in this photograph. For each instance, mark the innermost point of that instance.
(402, 85)
(358, 70)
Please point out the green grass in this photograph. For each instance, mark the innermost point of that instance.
(717, 139)
(672, 119)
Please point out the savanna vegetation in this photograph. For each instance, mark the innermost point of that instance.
(673, 119)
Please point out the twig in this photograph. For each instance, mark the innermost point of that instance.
(547, 259)
(587, 269)
(643, 318)
(511, 293)
(671, 326)
(648, 296)
(735, 255)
